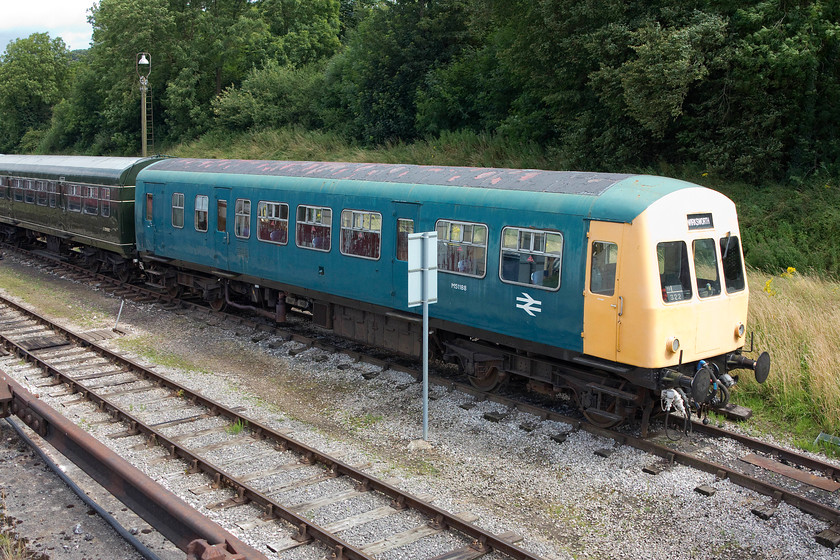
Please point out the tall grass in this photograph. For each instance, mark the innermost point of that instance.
(796, 318)
(291, 143)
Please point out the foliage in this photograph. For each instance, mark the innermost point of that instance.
(271, 97)
(747, 90)
(373, 84)
(34, 74)
(798, 322)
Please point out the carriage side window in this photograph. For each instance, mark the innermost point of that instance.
(674, 273)
(91, 200)
(273, 222)
(74, 198)
(706, 267)
(4, 183)
(52, 191)
(105, 202)
(733, 268)
(201, 212)
(30, 191)
(41, 190)
(462, 247)
(314, 227)
(242, 218)
(404, 227)
(178, 210)
(361, 233)
(602, 271)
(221, 215)
(531, 257)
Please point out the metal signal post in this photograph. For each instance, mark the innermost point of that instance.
(143, 65)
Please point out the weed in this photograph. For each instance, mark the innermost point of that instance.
(237, 427)
(364, 421)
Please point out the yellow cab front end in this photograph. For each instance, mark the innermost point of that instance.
(673, 308)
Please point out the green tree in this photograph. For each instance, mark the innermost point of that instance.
(302, 31)
(374, 82)
(34, 76)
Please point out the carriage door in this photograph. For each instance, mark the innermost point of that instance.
(221, 234)
(405, 222)
(603, 303)
(153, 215)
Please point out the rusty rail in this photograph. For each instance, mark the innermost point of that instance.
(190, 531)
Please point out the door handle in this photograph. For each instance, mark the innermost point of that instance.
(620, 306)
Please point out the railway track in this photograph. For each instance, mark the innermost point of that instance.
(289, 482)
(780, 474)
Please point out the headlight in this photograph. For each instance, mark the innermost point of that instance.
(673, 345)
(740, 329)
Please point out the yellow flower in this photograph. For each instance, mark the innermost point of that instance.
(789, 272)
(705, 174)
(768, 288)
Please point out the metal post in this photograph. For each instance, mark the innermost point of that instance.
(144, 84)
(143, 66)
(425, 366)
(122, 303)
(422, 288)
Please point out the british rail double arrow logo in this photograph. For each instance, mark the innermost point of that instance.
(528, 304)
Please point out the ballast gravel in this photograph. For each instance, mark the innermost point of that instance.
(563, 499)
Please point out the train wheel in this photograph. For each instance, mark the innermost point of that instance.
(174, 291)
(603, 414)
(596, 418)
(488, 380)
(217, 304)
(123, 273)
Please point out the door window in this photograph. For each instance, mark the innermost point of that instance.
(602, 272)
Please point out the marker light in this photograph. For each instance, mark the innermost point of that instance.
(673, 345)
(740, 329)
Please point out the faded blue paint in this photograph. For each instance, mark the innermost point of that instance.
(532, 201)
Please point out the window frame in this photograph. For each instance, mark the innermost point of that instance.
(41, 192)
(725, 242)
(402, 238)
(357, 216)
(105, 202)
(607, 246)
(177, 209)
(714, 289)
(17, 189)
(265, 217)
(53, 191)
(685, 263)
(238, 214)
(29, 191)
(531, 252)
(202, 209)
(448, 242)
(90, 193)
(74, 195)
(312, 218)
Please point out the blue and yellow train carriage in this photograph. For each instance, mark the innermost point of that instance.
(83, 206)
(614, 286)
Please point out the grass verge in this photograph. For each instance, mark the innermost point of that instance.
(796, 318)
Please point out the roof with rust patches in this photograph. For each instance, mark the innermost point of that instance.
(533, 180)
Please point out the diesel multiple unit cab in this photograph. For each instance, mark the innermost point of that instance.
(622, 289)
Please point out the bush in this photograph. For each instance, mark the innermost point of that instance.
(272, 97)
